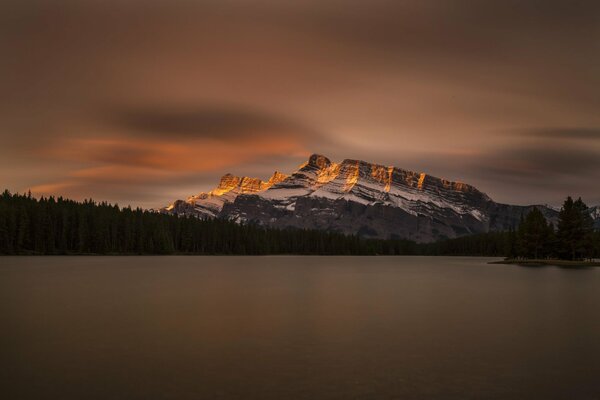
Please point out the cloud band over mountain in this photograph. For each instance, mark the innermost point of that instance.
(140, 104)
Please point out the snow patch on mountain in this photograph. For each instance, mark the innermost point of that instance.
(351, 180)
(355, 196)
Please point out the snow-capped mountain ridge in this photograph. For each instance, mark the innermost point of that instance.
(209, 204)
(355, 196)
(353, 180)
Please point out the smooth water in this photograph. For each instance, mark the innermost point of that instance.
(296, 328)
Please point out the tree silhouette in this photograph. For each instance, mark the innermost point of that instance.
(534, 233)
(61, 226)
(575, 230)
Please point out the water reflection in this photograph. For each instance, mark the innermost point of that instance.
(296, 327)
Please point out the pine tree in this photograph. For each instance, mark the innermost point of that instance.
(575, 230)
(585, 243)
(535, 233)
(511, 243)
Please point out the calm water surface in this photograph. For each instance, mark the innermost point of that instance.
(296, 328)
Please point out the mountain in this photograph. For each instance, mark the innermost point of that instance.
(357, 197)
(210, 204)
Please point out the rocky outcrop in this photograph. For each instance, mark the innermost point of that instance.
(357, 197)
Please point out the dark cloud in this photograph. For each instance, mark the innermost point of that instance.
(207, 122)
(98, 88)
(546, 161)
(543, 172)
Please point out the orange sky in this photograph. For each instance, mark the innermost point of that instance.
(144, 102)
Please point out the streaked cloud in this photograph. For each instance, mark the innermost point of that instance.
(217, 123)
(140, 103)
(573, 133)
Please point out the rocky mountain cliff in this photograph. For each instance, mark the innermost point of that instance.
(361, 198)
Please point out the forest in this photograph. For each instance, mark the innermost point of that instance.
(55, 226)
(574, 238)
(49, 225)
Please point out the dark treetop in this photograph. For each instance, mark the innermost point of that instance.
(59, 226)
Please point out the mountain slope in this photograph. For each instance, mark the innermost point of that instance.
(360, 198)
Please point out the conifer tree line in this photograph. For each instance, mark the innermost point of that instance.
(51, 225)
(574, 238)
(47, 226)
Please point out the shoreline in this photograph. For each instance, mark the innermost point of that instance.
(556, 263)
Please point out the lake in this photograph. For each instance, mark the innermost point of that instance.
(287, 327)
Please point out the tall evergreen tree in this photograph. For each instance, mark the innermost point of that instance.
(575, 230)
(534, 234)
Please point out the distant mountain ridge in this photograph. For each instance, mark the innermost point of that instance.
(357, 197)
